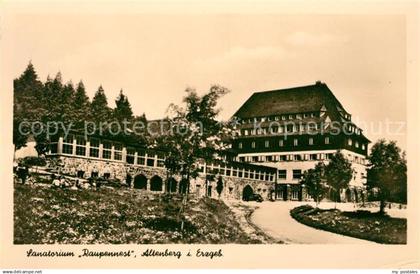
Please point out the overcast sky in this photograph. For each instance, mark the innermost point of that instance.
(153, 58)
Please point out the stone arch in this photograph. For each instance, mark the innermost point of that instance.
(348, 195)
(140, 182)
(171, 185)
(156, 183)
(247, 192)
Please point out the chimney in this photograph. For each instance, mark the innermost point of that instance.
(318, 83)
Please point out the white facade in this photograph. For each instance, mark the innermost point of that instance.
(301, 160)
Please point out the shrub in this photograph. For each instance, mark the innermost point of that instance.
(34, 161)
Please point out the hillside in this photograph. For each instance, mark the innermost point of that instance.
(44, 215)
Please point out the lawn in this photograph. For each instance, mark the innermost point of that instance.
(44, 215)
(358, 224)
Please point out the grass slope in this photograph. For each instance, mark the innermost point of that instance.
(43, 215)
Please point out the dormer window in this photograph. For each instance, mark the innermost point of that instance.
(240, 145)
(267, 143)
(305, 115)
(253, 144)
(311, 141)
(246, 132)
(363, 146)
(281, 129)
(298, 116)
(290, 117)
(350, 142)
(281, 143)
(357, 144)
(301, 128)
(263, 119)
(312, 127)
(283, 117)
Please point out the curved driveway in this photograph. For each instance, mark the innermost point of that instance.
(274, 219)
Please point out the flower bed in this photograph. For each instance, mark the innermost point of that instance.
(359, 224)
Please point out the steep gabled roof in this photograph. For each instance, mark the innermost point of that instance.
(291, 100)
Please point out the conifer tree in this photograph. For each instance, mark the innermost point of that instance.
(27, 91)
(51, 99)
(81, 106)
(66, 110)
(100, 111)
(123, 109)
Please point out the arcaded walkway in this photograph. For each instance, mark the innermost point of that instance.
(274, 218)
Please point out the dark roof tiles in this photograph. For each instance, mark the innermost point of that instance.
(286, 101)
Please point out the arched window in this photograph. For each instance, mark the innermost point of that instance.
(156, 183)
(140, 182)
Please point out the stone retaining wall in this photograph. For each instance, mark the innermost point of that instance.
(153, 176)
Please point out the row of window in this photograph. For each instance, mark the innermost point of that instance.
(294, 116)
(297, 174)
(279, 129)
(356, 144)
(281, 143)
(113, 151)
(109, 151)
(286, 158)
(296, 157)
(239, 172)
(354, 129)
(292, 128)
(282, 174)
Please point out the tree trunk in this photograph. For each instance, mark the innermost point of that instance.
(337, 197)
(382, 206)
(336, 194)
(167, 182)
(185, 199)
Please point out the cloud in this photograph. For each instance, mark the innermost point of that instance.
(301, 38)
